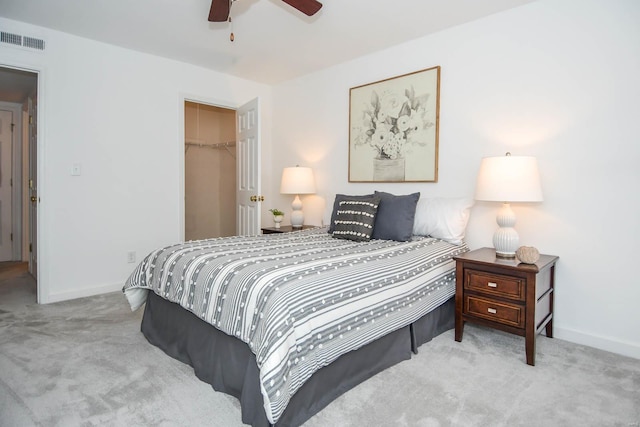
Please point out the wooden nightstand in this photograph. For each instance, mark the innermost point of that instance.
(505, 294)
(284, 229)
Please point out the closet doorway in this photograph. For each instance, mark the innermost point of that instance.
(210, 171)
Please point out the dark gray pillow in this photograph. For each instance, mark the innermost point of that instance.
(355, 218)
(394, 220)
(336, 204)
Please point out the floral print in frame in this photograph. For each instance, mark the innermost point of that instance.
(393, 129)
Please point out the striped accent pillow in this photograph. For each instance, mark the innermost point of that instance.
(336, 205)
(354, 219)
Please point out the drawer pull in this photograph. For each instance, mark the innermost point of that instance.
(492, 310)
(492, 285)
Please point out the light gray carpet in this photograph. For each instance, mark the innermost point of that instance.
(85, 363)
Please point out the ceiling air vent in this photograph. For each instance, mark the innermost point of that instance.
(10, 38)
(33, 43)
(21, 41)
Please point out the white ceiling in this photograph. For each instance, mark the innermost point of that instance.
(273, 41)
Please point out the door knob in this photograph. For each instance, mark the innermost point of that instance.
(34, 199)
(256, 198)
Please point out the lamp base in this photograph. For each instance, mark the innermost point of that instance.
(505, 256)
(297, 217)
(506, 239)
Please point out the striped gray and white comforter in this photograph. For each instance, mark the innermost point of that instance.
(302, 299)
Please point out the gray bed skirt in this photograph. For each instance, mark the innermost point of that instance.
(230, 367)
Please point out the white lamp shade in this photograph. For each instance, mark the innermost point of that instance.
(297, 180)
(509, 179)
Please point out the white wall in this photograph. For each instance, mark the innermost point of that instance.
(556, 79)
(119, 113)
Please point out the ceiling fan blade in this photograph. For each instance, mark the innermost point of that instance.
(308, 7)
(219, 11)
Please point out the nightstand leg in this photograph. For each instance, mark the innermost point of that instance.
(530, 348)
(459, 329)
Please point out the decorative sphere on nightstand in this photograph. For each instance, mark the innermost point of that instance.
(528, 254)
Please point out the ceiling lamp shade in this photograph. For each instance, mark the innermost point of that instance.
(508, 179)
(297, 180)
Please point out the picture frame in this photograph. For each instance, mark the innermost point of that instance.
(394, 128)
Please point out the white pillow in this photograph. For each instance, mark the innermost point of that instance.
(443, 218)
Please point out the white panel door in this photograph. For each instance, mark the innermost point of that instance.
(248, 168)
(6, 173)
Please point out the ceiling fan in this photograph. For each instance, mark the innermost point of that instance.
(220, 9)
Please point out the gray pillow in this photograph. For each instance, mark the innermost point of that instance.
(355, 218)
(394, 220)
(336, 204)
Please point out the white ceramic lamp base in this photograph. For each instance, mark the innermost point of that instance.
(506, 239)
(297, 217)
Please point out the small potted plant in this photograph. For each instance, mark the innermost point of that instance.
(278, 215)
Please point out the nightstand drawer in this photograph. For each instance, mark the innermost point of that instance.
(508, 314)
(495, 284)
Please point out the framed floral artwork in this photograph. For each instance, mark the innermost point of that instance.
(393, 129)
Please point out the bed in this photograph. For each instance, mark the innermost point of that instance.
(288, 322)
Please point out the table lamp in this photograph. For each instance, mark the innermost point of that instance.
(508, 179)
(297, 180)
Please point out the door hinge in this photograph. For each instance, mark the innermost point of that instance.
(31, 183)
(30, 247)
(30, 120)
(11, 236)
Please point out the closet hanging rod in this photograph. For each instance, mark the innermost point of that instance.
(194, 143)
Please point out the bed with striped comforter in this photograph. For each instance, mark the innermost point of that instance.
(299, 300)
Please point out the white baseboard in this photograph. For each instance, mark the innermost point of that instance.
(84, 292)
(624, 348)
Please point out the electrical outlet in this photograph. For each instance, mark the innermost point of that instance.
(131, 256)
